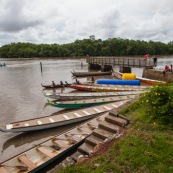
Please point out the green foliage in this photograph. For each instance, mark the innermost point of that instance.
(147, 146)
(159, 104)
(92, 47)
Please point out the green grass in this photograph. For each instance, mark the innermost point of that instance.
(146, 148)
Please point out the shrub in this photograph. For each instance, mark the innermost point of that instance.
(159, 103)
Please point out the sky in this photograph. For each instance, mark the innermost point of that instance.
(64, 21)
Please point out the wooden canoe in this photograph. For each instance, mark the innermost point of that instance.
(55, 86)
(88, 102)
(83, 74)
(143, 80)
(86, 95)
(60, 119)
(108, 88)
(151, 81)
(41, 155)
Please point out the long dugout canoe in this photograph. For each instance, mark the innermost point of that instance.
(143, 80)
(86, 95)
(109, 88)
(41, 155)
(83, 74)
(88, 102)
(60, 119)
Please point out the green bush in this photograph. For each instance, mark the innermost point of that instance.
(159, 103)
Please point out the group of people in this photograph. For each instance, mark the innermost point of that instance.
(61, 83)
(77, 82)
(154, 58)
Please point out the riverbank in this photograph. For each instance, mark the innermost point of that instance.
(146, 147)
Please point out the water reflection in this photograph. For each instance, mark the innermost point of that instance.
(22, 139)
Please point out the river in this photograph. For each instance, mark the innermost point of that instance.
(21, 96)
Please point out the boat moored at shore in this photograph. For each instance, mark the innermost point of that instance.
(59, 119)
(88, 102)
(86, 95)
(43, 154)
(109, 88)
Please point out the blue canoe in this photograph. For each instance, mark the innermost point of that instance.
(118, 82)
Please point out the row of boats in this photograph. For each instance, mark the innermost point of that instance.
(43, 154)
(94, 104)
(65, 102)
(113, 73)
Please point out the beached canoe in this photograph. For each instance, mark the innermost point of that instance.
(143, 80)
(40, 155)
(151, 81)
(83, 74)
(88, 102)
(86, 95)
(108, 88)
(60, 119)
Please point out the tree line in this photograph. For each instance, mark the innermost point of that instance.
(91, 47)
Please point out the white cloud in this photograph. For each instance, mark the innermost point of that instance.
(64, 21)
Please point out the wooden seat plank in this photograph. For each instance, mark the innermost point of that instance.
(107, 107)
(66, 117)
(46, 152)
(61, 143)
(85, 129)
(97, 110)
(39, 122)
(27, 162)
(85, 112)
(78, 115)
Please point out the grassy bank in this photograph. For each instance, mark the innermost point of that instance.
(147, 147)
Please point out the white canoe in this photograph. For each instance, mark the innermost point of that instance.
(86, 95)
(39, 156)
(60, 119)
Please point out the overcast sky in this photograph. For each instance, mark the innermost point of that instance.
(64, 21)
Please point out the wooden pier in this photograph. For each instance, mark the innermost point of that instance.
(125, 62)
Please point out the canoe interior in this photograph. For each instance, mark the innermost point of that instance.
(44, 153)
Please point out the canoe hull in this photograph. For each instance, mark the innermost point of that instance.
(48, 126)
(86, 95)
(75, 106)
(143, 80)
(60, 119)
(151, 81)
(82, 74)
(107, 88)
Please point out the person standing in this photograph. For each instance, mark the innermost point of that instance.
(92, 79)
(53, 83)
(170, 67)
(146, 56)
(155, 60)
